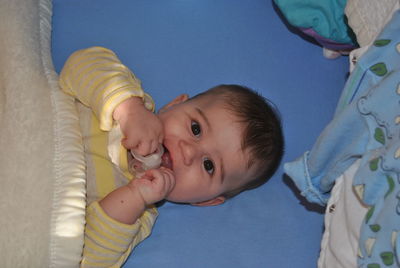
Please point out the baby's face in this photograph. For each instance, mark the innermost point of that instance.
(203, 144)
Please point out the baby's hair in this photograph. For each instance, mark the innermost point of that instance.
(262, 137)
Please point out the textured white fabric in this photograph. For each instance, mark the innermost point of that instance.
(368, 17)
(343, 217)
(42, 193)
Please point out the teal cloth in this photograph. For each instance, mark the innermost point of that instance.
(326, 18)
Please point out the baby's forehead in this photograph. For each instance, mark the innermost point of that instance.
(240, 175)
(242, 161)
(216, 105)
(217, 102)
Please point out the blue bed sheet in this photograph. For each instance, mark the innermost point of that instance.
(178, 46)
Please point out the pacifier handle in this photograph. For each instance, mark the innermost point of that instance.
(150, 161)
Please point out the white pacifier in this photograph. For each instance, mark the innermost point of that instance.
(150, 161)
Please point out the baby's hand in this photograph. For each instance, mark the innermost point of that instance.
(142, 129)
(154, 185)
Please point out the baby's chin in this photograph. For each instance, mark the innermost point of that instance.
(172, 197)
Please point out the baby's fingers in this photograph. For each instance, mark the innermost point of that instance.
(163, 177)
(146, 147)
(130, 142)
(169, 177)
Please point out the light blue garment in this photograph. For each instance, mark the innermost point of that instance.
(326, 18)
(366, 126)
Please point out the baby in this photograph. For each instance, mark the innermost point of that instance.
(214, 146)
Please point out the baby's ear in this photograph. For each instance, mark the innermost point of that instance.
(213, 202)
(179, 99)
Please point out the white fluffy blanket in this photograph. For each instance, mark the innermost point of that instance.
(368, 17)
(41, 165)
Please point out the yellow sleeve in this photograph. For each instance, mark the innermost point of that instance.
(97, 78)
(108, 243)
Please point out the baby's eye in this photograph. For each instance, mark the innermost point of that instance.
(208, 166)
(196, 129)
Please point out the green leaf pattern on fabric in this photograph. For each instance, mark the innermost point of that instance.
(387, 258)
(391, 185)
(369, 214)
(379, 69)
(382, 42)
(379, 135)
(375, 228)
(373, 164)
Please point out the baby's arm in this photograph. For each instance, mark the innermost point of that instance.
(97, 78)
(123, 219)
(127, 203)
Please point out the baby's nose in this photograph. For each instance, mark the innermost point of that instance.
(188, 152)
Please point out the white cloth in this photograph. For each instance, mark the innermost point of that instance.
(344, 213)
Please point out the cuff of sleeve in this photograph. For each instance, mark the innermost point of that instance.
(298, 172)
(106, 115)
(148, 102)
(109, 242)
(96, 212)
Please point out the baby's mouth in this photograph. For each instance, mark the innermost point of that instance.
(166, 160)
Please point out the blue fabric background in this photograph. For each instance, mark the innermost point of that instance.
(186, 46)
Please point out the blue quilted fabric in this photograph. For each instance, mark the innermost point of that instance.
(368, 128)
